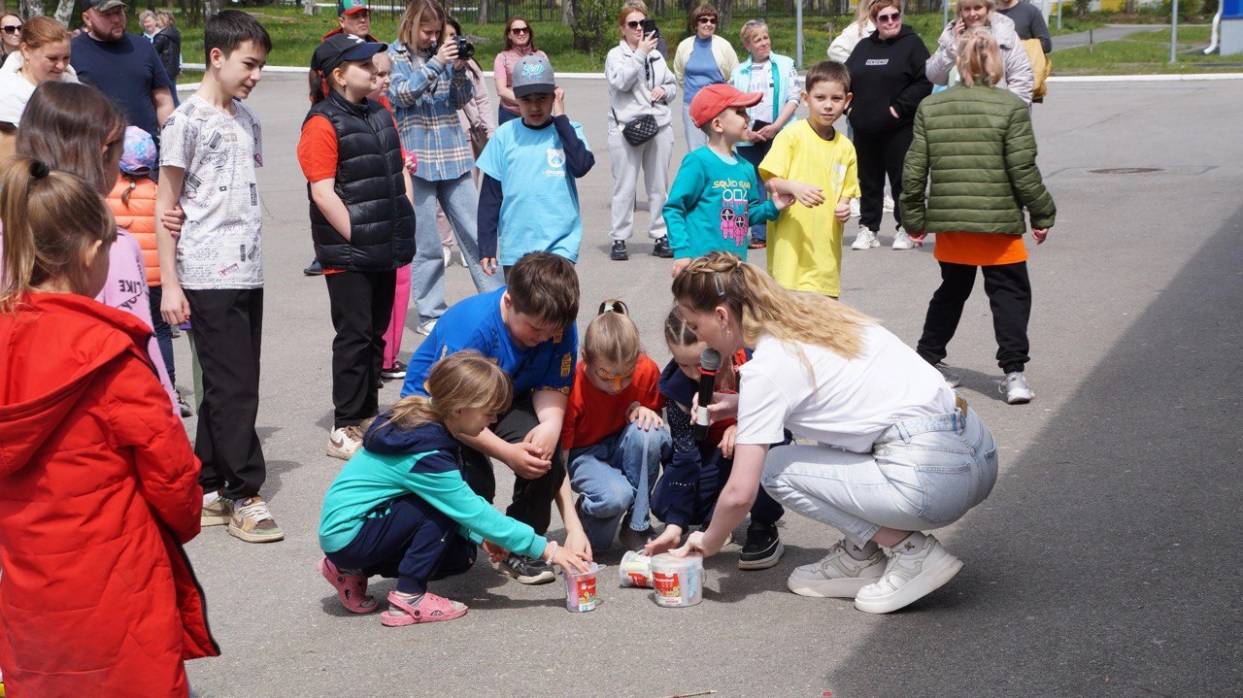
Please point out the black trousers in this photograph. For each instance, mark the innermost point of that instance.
(533, 499)
(361, 304)
(1010, 297)
(227, 327)
(880, 154)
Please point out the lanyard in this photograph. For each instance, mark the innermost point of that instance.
(776, 83)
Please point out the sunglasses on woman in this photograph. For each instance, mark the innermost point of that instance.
(885, 19)
(12, 29)
(707, 20)
(634, 24)
(520, 30)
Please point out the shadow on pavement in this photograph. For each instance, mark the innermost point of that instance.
(1105, 562)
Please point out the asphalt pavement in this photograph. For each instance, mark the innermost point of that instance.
(1106, 561)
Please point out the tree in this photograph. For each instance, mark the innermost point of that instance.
(32, 8)
(590, 23)
(64, 9)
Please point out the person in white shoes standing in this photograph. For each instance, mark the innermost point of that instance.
(894, 452)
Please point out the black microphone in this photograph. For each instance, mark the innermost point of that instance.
(709, 363)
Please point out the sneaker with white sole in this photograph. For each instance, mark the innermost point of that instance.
(951, 378)
(426, 327)
(344, 441)
(837, 575)
(253, 523)
(914, 570)
(902, 241)
(865, 240)
(217, 512)
(1014, 385)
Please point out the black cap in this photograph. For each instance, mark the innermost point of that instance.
(102, 5)
(339, 48)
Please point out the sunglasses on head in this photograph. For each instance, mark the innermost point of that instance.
(892, 17)
(12, 29)
(520, 30)
(707, 20)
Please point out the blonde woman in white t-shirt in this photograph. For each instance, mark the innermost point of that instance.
(895, 452)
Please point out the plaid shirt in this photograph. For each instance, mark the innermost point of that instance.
(427, 96)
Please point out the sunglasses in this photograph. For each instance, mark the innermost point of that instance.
(13, 29)
(520, 30)
(707, 20)
(892, 17)
(634, 24)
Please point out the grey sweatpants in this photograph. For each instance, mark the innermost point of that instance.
(653, 158)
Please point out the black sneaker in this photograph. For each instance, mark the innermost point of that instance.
(762, 549)
(661, 248)
(619, 253)
(394, 372)
(314, 268)
(526, 571)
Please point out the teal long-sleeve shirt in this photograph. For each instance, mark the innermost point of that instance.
(423, 461)
(713, 204)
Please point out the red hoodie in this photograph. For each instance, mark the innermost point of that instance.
(97, 492)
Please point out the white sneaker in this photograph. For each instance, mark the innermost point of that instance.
(866, 239)
(952, 379)
(448, 255)
(425, 328)
(343, 442)
(836, 575)
(887, 204)
(902, 241)
(1014, 385)
(914, 571)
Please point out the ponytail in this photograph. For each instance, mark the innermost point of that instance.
(611, 336)
(318, 83)
(49, 217)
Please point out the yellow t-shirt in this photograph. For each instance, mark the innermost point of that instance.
(805, 244)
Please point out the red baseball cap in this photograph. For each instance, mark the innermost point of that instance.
(714, 99)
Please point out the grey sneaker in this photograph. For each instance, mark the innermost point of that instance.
(218, 513)
(837, 575)
(914, 570)
(253, 523)
(1014, 385)
(952, 378)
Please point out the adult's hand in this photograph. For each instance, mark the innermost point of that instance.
(647, 44)
(724, 406)
(769, 132)
(658, 93)
(488, 265)
(1041, 234)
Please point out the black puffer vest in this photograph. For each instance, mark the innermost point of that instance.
(370, 182)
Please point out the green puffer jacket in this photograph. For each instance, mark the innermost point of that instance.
(977, 146)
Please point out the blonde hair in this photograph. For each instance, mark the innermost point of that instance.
(863, 13)
(611, 336)
(749, 28)
(764, 308)
(460, 381)
(989, 4)
(979, 58)
(418, 13)
(50, 217)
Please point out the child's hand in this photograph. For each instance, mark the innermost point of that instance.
(495, 552)
(694, 545)
(174, 307)
(644, 418)
(842, 212)
(447, 52)
(576, 542)
(917, 237)
(781, 201)
(566, 558)
(679, 265)
(728, 439)
(808, 195)
(1041, 234)
(173, 219)
(666, 540)
(488, 265)
(558, 102)
(524, 459)
(544, 437)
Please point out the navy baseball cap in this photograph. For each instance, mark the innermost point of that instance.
(340, 48)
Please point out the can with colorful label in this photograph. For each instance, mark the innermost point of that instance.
(678, 581)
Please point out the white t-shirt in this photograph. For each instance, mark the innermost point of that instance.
(219, 245)
(847, 403)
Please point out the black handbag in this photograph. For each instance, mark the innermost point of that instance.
(641, 130)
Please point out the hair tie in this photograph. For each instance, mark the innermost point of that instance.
(39, 169)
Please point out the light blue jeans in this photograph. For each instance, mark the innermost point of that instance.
(921, 474)
(460, 202)
(616, 476)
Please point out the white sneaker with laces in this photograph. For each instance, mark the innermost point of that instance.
(915, 569)
(866, 239)
(253, 523)
(837, 575)
(1014, 385)
(343, 442)
(902, 241)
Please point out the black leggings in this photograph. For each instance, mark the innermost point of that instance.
(880, 154)
(1010, 296)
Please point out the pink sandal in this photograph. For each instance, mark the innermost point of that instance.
(351, 588)
(429, 609)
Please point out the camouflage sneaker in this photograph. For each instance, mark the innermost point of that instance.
(218, 513)
(253, 523)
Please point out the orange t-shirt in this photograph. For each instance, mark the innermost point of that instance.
(593, 415)
(979, 249)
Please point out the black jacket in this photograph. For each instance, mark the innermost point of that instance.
(370, 180)
(887, 73)
(167, 43)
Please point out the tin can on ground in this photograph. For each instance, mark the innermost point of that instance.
(580, 589)
(678, 581)
(636, 570)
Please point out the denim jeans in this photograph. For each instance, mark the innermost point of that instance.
(614, 476)
(460, 202)
(922, 474)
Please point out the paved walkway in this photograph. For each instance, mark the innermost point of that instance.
(1109, 32)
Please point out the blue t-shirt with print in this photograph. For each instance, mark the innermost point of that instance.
(539, 208)
(476, 323)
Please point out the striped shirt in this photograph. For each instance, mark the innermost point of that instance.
(427, 95)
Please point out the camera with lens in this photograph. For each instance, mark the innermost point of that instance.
(649, 28)
(465, 49)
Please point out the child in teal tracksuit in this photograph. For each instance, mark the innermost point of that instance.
(716, 196)
(400, 507)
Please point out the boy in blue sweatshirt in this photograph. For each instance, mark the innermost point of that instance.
(529, 200)
(716, 196)
(400, 507)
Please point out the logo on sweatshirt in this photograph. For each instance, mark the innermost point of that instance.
(877, 61)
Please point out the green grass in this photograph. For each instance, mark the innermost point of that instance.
(1147, 52)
